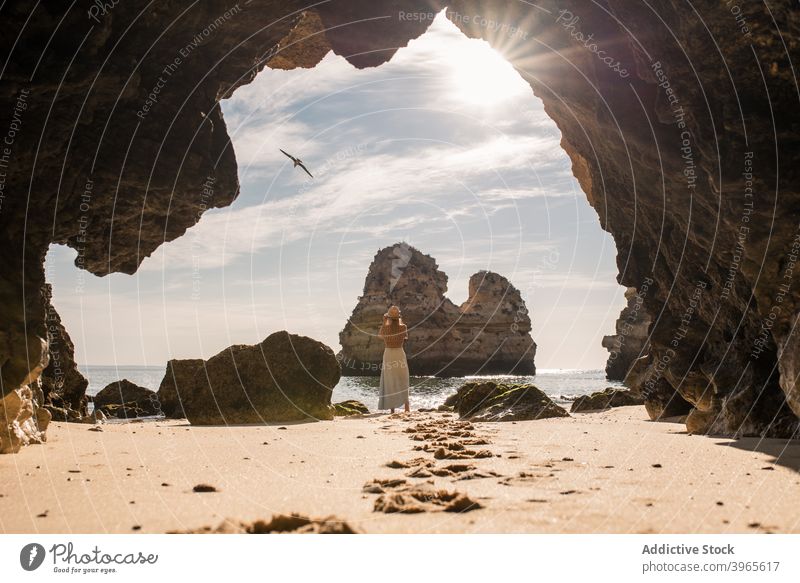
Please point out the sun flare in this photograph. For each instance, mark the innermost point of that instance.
(481, 76)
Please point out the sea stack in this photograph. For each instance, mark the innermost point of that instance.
(490, 333)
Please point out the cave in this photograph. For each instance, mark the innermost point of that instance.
(685, 154)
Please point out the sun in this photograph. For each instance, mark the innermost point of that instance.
(481, 76)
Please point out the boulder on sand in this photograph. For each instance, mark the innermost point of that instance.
(606, 399)
(124, 399)
(176, 382)
(491, 401)
(284, 378)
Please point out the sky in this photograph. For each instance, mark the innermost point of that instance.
(444, 147)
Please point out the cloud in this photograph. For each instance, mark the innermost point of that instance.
(355, 189)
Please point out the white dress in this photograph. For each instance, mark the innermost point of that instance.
(394, 379)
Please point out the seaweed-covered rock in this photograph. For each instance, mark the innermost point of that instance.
(130, 410)
(491, 401)
(124, 399)
(284, 378)
(606, 399)
(349, 408)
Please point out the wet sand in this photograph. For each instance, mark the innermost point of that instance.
(592, 473)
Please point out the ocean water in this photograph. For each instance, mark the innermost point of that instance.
(101, 376)
(561, 385)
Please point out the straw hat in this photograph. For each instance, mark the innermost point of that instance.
(393, 312)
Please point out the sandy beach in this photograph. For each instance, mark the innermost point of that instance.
(590, 473)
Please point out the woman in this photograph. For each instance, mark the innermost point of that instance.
(394, 371)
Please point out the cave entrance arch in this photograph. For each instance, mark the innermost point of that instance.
(444, 146)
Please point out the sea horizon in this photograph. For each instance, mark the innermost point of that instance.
(561, 385)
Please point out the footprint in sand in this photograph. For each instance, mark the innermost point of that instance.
(446, 439)
(399, 497)
(280, 523)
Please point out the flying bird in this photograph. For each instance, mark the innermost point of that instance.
(297, 162)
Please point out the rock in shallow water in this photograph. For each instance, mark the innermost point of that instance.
(491, 401)
(606, 399)
(284, 378)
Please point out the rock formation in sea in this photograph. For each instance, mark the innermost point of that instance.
(630, 340)
(284, 378)
(492, 401)
(682, 137)
(488, 334)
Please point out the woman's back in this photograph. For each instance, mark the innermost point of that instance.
(393, 333)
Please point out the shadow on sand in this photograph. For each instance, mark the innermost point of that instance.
(784, 452)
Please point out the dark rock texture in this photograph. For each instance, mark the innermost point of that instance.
(491, 401)
(284, 378)
(630, 340)
(606, 399)
(177, 381)
(660, 399)
(684, 137)
(488, 334)
(124, 399)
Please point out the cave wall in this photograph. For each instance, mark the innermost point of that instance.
(682, 134)
(113, 140)
(677, 135)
